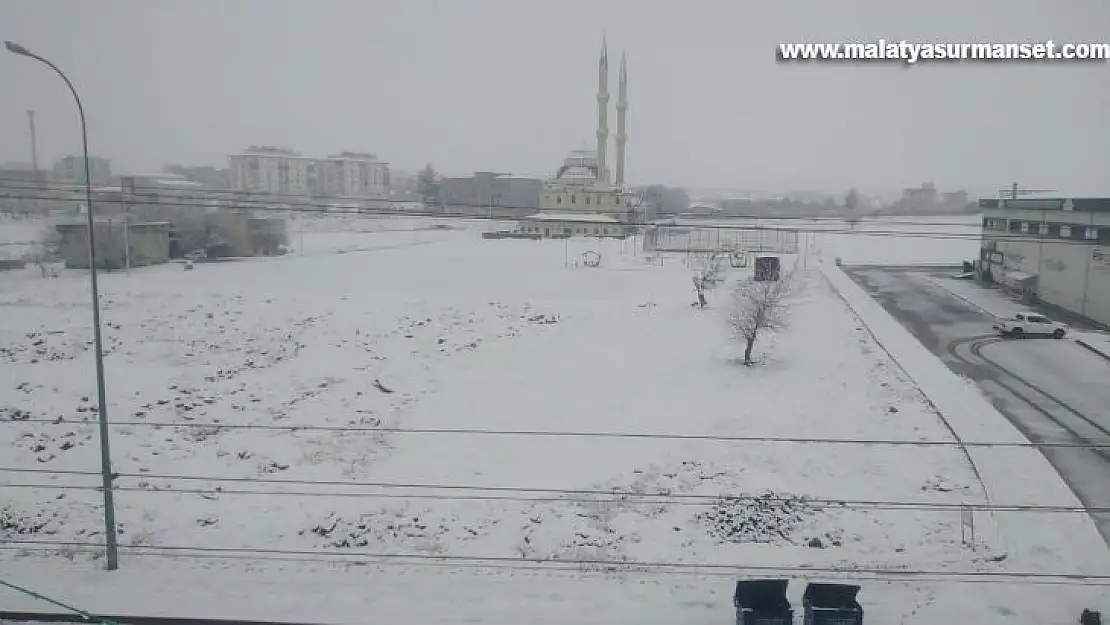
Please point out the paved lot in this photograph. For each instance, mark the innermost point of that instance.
(1055, 392)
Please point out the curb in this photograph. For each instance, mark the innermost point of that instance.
(1098, 352)
(963, 299)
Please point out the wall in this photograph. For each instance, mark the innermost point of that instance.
(567, 199)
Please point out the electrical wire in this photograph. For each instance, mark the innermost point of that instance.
(462, 216)
(542, 564)
(268, 199)
(516, 494)
(350, 429)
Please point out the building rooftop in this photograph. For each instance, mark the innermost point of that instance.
(1087, 204)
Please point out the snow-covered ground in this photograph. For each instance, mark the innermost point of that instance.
(257, 404)
(934, 240)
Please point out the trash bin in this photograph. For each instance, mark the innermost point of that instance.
(832, 604)
(762, 602)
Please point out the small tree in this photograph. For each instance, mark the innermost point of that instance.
(708, 273)
(427, 185)
(851, 203)
(45, 252)
(757, 306)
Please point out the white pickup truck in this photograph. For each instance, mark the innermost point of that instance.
(1030, 324)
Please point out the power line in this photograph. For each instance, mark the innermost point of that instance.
(270, 198)
(876, 442)
(264, 201)
(614, 495)
(586, 221)
(462, 216)
(541, 564)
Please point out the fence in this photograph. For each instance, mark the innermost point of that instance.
(708, 239)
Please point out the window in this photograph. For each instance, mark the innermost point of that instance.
(1042, 229)
(1054, 230)
(1065, 232)
(1077, 232)
(573, 198)
(1037, 319)
(1104, 236)
(558, 199)
(587, 200)
(1025, 226)
(1015, 225)
(1091, 234)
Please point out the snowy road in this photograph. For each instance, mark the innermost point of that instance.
(1053, 391)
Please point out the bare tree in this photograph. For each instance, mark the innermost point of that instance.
(757, 306)
(708, 273)
(851, 203)
(44, 254)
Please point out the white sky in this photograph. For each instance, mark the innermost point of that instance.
(509, 85)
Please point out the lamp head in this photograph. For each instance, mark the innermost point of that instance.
(15, 48)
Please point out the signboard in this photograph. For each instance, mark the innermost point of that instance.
(1100, 257)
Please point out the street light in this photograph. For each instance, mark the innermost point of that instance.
(111, 547)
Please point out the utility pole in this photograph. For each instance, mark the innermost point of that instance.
(35, 159)
(127, 186)
(34, 146)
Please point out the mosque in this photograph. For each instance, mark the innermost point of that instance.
(583, 198)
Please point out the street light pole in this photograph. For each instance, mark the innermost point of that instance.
(111, 544)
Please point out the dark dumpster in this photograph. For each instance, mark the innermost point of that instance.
(832, 604)
(762, 602)
(766, 268)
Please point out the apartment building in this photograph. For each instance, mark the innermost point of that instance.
(71, 169)
(281, 171)
(1054, 249)
(272, 170)
(352, 175)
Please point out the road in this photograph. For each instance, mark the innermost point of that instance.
(1054, 391)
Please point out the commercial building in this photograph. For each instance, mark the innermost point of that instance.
(71, 169)
(1056, 250)
(281, 171)
(490, 194)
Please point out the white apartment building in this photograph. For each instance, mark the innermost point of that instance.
(268, 169)
(352, 175)
(280, 171)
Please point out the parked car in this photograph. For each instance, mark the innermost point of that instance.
(1030, 324)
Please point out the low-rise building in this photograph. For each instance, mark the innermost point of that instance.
(490, 194)
(149, 244)
(1056, 250)
(549, 224)
(71, 169)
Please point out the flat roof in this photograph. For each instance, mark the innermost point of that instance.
(1080, 204)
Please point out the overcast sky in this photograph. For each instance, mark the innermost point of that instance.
(509, 85)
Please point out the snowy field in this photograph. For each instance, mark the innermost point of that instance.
(299, 407)
(932, 240)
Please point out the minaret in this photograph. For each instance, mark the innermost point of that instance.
(622, 109)
(602, 113)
